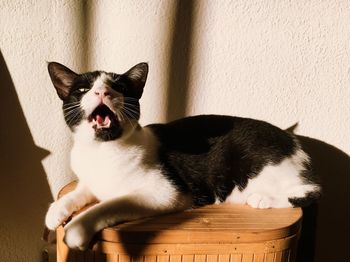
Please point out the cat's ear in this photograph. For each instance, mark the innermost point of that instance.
(62, 78)
(138, 76)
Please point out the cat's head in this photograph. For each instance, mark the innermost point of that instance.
(105, 104)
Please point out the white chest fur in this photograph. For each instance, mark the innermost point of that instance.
(117, 168)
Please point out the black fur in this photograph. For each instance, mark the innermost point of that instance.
(224, 150)
(310, 198)
(83, 81)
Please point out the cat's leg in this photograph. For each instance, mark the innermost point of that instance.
(295, 196)
(281, 185)
(60, 210)
(80, 230)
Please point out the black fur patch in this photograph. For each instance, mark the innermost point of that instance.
(310, 198)
(73, 113)
(209, 155)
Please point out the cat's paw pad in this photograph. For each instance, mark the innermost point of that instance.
(56, 215)
(258, 201)
(77, 236)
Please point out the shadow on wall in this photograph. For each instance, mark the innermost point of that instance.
(24, 193)
(326, 229)
(180, 60)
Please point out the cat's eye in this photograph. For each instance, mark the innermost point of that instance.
(83, 89)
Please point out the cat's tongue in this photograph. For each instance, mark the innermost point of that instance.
(102, 122)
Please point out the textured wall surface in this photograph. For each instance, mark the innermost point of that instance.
(285, 62)
(282, 62)
(34, 139)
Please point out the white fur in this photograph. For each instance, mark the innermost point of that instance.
(119, 173)
(91, 100)
(77, 235)
(275, 184)
(60, 211)
(117, 168)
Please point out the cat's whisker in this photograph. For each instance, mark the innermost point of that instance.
(133, 112)
(72, 103)
(70, 112)
(120, 116)
(128, 118)
(70, 107)
(130, 104)
(116, 102)
(133, 106)
(131, 98)
(75, 117)
(71, 117)
(124, 116)
(127, 98)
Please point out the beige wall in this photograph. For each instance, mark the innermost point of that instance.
(32, 32)
(282, 61)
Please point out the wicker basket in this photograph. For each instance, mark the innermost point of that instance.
(217, 233)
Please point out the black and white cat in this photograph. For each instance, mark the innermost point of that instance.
(136, 172)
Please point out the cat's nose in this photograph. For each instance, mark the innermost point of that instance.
(102, 93)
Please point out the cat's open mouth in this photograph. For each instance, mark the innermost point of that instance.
(101, 117)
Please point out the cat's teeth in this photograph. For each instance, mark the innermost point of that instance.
(106, 123)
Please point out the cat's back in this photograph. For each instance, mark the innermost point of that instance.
(210, 155)
(197, 134)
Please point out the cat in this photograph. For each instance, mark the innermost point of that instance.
(135, 172)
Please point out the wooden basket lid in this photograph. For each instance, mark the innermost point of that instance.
(223, 223)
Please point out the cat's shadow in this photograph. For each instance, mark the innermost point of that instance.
(325, 225)
(134, 244)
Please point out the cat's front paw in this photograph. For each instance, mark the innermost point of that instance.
(77, 235)
(56, 215)
(259, 201)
